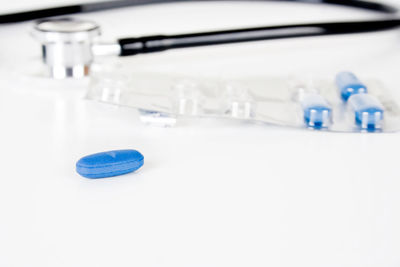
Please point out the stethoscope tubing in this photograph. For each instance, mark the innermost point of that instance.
(156, 43)
(108, 5)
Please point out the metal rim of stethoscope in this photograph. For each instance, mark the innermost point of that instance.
(62, 37)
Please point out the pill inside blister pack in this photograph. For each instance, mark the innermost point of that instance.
(340, 103)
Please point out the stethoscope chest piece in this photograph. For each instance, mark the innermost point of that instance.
(67, 46)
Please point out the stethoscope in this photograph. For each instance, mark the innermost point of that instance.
(69, 45)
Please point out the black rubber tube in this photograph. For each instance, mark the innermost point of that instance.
(132, 46)
(107, 5)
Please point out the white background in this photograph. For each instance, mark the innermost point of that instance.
(210, 193)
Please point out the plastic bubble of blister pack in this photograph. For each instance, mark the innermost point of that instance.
(342, 102)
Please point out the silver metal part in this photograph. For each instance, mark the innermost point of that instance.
(67, 46)
(106, 49)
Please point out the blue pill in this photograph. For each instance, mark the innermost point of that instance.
(368, 111)
(317, 111)
(348, 85)
(108, 164)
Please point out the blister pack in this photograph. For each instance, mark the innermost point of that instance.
(340, 103)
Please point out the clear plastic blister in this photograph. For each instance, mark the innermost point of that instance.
(322, 103)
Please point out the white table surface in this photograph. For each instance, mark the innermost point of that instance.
(210, 193)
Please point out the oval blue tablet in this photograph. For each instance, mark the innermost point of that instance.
(108, 164)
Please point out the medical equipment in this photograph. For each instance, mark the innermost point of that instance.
(69, 45)
(109, 164)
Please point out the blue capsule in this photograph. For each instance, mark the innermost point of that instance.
(108, 164)
(368, 111)
(317, 111)
(348, 85)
